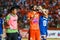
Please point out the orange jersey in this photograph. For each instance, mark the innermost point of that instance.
(34, 20)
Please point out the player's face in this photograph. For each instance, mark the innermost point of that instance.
(45, 12)
(40, 8)
(14, 11)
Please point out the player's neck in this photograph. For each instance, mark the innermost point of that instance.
(34, 11)
(13, 14)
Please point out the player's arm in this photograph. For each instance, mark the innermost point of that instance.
(3, 24)
(18, 28)
(7, 19)
(45, 12)
(28, 17)
(4, 30)
(31, 16)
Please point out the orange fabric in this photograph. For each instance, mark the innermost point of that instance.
(34, 16)
(35, 35)
(34, 26)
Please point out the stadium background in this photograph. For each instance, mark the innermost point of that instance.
(54, 14)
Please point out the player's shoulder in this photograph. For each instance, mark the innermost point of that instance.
(9, 15)
(45, 18)
(29, 13)
(17, 16)
(41, 16)
(0, 19)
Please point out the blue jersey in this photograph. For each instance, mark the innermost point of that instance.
(1, 25)
(43, 23)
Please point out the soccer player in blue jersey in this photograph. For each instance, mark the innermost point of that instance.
(1, 26)
(43, 24)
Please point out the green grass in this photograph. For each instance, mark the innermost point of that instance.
(53, 39)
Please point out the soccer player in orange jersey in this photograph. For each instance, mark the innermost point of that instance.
(33, 18)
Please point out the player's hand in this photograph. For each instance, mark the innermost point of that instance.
(40, 8)
(45, 11)
(4, 33)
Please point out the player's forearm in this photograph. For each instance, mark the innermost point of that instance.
(3, 26)
(7, 23)
(28, 19)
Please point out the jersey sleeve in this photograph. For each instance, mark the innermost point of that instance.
(7, 17)
(28, 15)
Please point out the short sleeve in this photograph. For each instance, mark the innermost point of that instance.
(7, 17)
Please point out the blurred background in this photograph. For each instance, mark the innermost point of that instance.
(52, 5)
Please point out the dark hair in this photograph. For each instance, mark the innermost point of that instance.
(14, 7)
(0, 15)
(31, 7)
